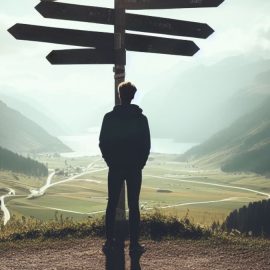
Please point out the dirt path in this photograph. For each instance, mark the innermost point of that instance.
(164, 255)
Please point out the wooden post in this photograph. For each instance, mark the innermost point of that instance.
(119, 75)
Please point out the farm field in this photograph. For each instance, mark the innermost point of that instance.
(173, 187)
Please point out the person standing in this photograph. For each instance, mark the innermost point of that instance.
(125, 145)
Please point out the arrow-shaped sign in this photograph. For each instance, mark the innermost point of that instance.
(133, 22)
(139, 43)
(81, 56)
(61, 36)
(168, 4)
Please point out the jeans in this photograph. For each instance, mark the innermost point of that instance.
(116, 178)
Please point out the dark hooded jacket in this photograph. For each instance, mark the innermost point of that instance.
(125, 137)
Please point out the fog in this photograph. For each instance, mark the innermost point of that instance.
(187, 99)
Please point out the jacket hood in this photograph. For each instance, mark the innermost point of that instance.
(127, 109)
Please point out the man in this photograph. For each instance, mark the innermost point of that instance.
(125, 146)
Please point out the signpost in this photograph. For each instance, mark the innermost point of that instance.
(110, 48)
(133, 22)
(62, 36)
(168, 4)
(119, 76)
(138, 43)
(81, 56)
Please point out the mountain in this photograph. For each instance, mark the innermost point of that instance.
(10, 161)
(243, 146)
(34, 114)
(21, 135)
(247, 99)
(204, 99)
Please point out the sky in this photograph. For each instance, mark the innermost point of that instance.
(66, 92)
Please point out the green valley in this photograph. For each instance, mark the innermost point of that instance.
(206, 195)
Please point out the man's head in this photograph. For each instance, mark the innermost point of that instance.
(126, 91)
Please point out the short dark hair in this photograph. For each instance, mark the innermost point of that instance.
(127, 90)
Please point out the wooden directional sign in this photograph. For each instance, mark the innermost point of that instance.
(133, 22)
(167, 4)
(139, 43)
(110, 48)
(81, 56)
(61, 36)
(165, 26)
(73, 12)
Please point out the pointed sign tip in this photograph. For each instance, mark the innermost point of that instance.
(13, 29)
(198, 49)
(40, 8)
(211, 31)
(221, 1)
(49, 57)
(37, 7)
(10, 30)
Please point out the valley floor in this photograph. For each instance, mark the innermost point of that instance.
(169, 255)
(179, 188)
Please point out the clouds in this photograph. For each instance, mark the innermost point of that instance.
(264, 36)
(239, 25)
(242, 27)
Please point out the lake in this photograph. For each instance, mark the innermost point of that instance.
(87, 145)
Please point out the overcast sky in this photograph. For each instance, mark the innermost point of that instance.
(242, 27)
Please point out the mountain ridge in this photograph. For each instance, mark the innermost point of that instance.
(200, 102)
(243, 146)
(21, 135)
(33, 113)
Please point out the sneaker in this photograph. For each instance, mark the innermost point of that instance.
(136, 249)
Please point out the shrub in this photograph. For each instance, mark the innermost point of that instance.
(154, 226)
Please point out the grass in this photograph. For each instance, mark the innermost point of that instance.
(83, 196)
(61, 162)
(20, 182)
(153, 226)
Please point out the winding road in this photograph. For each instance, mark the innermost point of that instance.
(267, 195)
(143, 208)
(40, 192)
(11, 193)
(34, 193)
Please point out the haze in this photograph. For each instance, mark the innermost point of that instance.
(76, 97)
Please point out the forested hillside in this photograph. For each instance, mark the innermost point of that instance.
(255, 219)
(21, 135)
(244, 146)
(10, 161)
